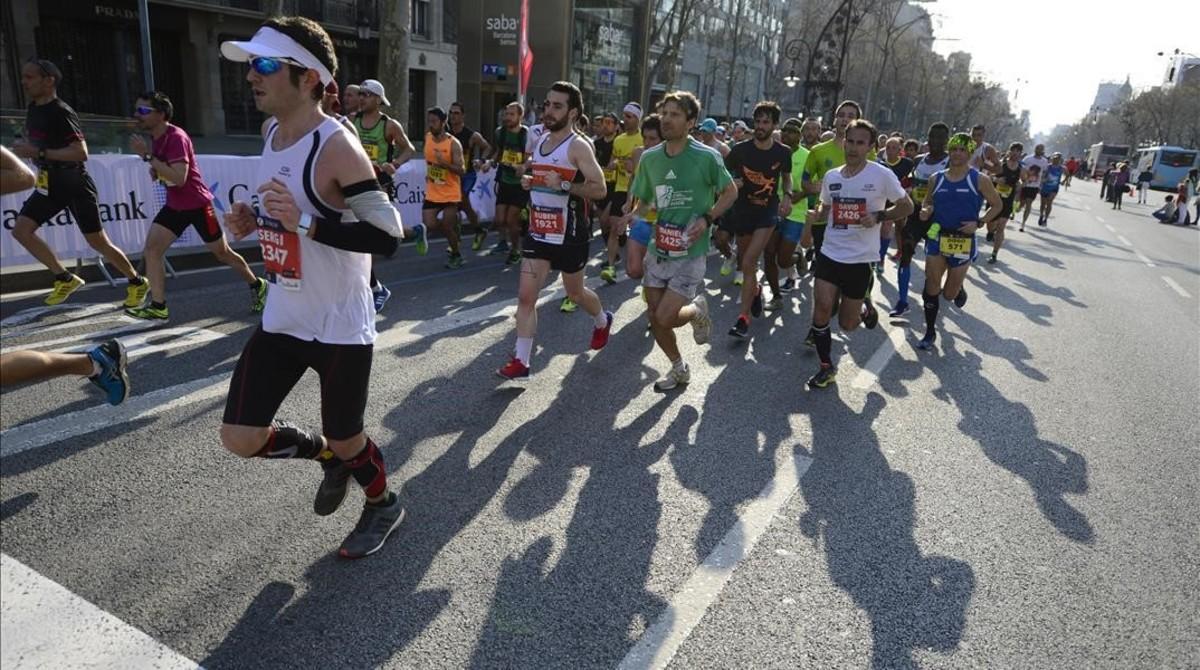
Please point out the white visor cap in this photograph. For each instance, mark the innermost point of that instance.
(274, 44)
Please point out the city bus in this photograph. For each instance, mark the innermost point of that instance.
(1170, 165)
(1101, 154)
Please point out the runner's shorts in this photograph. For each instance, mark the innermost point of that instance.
(203, 219)
(852, 279)
(429, 204)
(511, 195)
(1050, 192)
(272, 363)
(567, 258)
(617, 199)
(70, 188)
(933, 247)
(684, 276)
(746, 220)
(468, 184)
(790, 230)
(641, 231)
(1029, 192)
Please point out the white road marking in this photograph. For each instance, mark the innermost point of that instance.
(44, 625)
(1124, 241)
(32, 314)
(1142, 257)
(1100, 219)
(39, 329)
(869, 374)
(73, 424)
(1110, 228)
(91, 336)
(667, 634)
(1175, 285)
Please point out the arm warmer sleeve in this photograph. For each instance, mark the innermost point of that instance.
(355, 236)
(372, 206)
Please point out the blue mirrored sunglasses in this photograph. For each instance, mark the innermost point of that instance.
(267, 66)
(142, 111)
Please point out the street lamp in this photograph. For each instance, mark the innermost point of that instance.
(792, 52)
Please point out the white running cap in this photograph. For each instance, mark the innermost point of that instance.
(374, 86)
(274, 44)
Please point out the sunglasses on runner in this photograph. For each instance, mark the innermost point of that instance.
(267, 66)
(142, 111)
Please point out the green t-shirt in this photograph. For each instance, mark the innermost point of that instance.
(822, 158)
(681, 188)
(799, 210)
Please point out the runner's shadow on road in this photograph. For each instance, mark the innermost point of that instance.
(1007, 433)
(1005, 297)
(862, 513)
(1039, 287)
(1030, 255)
(583, 611)
(16, 504)
(341, 620)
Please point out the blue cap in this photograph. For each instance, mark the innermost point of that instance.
(708, 125)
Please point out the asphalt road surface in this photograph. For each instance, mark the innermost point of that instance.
(1025, 496)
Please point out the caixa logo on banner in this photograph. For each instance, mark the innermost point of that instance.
(132, 208)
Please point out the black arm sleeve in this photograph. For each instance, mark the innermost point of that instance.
(359, 236)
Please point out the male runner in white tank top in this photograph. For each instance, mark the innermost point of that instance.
(320, 214)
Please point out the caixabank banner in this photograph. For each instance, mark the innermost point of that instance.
(129, 199)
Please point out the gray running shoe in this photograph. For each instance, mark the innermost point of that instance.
(373, 528)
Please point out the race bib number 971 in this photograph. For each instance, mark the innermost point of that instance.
(281, 254)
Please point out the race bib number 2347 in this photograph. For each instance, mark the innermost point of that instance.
(281, 254)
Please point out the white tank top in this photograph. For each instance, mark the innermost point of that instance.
(317, 292)
(555, 216)
(978, 157)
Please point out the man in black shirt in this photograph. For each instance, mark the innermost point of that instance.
(57, 144)
(761, 167)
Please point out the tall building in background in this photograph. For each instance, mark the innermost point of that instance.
(97, 44)
(1110, 95)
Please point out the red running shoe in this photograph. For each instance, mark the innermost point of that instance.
(515, 371)
(600, 335)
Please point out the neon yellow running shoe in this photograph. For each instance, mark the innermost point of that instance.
(63, 289)
(135, 294)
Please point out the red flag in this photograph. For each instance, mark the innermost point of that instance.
(526, 56)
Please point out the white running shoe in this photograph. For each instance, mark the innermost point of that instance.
(674, 378)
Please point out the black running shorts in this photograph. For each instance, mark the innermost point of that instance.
(272, 363)
(511, 195)
(566, 258)
(72, 189)
(853, 279)
(204, 220)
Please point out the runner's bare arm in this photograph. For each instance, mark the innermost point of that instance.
(75, 152)
(995, 205)
(592, 188)
(724, 201)
(482, 147)
(15, 175)
(172, 173)
(397, 138)
(456, 157)
(899, 210)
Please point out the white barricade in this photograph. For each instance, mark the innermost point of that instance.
(129, 200)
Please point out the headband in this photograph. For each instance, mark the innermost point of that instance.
(633, 108)
(274, 44)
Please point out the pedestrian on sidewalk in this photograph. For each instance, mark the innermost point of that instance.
(1143, 182)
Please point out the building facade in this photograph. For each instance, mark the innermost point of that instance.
(597, 44)
(728, 55)
(97, 44)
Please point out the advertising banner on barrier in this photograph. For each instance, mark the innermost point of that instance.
(129, 200)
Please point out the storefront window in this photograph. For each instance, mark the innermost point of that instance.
(604, 44)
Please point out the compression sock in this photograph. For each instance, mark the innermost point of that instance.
(824, 343)
(368, 470)
(905, 278)
(932, 303)
(288, 441)
(884, 245)
(524, 350)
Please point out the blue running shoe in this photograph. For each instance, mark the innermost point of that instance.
(111, 379)
(381, 295)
